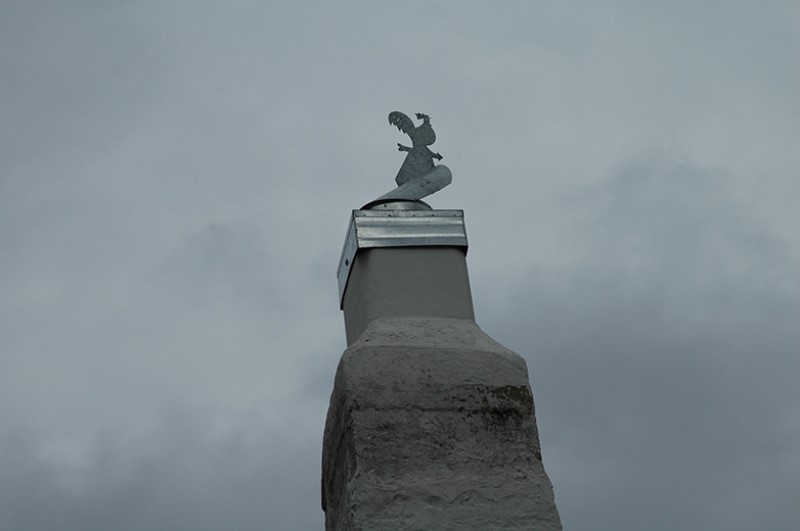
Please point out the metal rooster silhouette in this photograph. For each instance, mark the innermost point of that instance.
(419, 160)
(418, 176)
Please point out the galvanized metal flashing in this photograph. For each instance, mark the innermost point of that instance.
(398, 228)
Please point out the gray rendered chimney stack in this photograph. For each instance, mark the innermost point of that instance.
(431, 423)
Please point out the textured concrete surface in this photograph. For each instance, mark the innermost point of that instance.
(431, 426)
(406, 282)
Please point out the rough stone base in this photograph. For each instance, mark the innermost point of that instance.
(431, 426)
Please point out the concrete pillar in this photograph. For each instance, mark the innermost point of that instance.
(431, 423)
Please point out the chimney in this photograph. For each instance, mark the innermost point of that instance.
(431, 423)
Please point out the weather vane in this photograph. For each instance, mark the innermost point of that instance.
(418, 176)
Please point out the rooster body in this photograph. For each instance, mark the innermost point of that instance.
(419, 160)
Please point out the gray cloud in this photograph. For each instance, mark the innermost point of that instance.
(663, 357)
(191, 471)
(175, 181)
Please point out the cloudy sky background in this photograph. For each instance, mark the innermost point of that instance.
(175, 184)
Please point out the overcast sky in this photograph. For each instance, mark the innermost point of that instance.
(176, 179)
